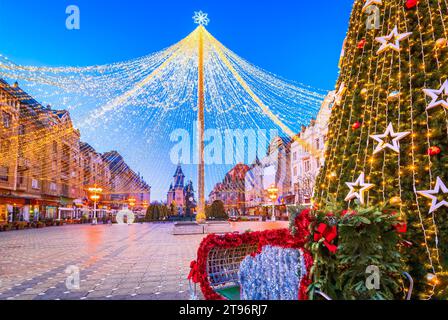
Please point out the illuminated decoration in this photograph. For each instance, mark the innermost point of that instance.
(392, 41)
(441, 43)
(261, 280)
(371, 3)
(273, 195)
(201, 18)
(358, 189)
(395, 143)
(439, 97)
(130, 217)
(364, 92)
(395, 201)
(95, 197)
(439, 189)
(132, 202)
(418, 66)
(151, 97)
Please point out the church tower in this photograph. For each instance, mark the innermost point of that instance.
(176, 191)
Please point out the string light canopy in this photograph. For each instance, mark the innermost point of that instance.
(144, 100)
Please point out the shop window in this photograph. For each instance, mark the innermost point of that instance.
(35, 184)
(4, 174)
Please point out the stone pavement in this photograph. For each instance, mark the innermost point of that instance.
(119, 262)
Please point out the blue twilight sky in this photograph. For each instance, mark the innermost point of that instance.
(296, 39)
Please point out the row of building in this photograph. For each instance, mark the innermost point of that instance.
(290, 165)
(46, 170)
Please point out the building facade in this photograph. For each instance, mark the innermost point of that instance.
(232, 191)
(45, 170)
(271, 171)
(305, 165)
(126, 187)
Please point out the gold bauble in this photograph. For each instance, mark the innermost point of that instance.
(441, 43)
(364, 92)
(395, 201)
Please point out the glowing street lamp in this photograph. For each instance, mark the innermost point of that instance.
(132, 202)
(95, 197)
(273, 195)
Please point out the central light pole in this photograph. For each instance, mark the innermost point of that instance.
(200, 217)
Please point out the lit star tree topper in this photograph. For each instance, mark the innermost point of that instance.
(201, 18)
(392, 41)
(394, 144)
(433, 195)
(358, 189)
(439, 97)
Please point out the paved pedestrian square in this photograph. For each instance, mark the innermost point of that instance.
(119, 262)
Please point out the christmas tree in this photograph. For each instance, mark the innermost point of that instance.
(388, 136)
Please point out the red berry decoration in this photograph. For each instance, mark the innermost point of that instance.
(410, 4)
(362, 43)
(433, 151)
(356, 125)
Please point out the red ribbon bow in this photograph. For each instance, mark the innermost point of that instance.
(328, 234)
(194, 272)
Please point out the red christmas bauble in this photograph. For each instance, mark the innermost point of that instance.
(362, 43)
(401, 227)
(433, 151)
(411, 4)
(356, 125)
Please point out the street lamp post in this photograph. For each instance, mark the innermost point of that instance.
(273, 195)
(132, 203)
(95, 197)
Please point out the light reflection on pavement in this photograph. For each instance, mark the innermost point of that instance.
(139, 262)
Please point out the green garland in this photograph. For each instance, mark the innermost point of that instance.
(365, 237)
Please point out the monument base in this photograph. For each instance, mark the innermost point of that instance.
(218, 227)
(187, 228)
